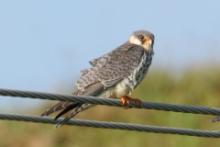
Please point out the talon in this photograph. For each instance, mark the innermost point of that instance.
(126, 100)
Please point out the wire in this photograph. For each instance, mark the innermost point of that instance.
(112, 102)
(114, 125)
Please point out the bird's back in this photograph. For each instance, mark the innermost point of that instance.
(109, 69)
(105, 77)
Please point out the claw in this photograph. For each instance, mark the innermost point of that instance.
(126, 100)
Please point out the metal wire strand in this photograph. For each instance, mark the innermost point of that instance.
(114, 125)
(112, 102)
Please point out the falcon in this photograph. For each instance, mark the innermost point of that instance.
(113, 75)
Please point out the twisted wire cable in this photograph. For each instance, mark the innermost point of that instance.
(114, 125)
(112, 102)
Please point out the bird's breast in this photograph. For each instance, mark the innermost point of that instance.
(119, 90)
(139, 73)
(128, 84)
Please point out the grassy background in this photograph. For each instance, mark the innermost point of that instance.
(197, 86)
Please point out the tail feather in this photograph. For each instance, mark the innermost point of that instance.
(68, 108)
(57, 107)
(78, 109)
(74, 112)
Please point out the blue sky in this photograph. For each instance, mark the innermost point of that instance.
(44, 43)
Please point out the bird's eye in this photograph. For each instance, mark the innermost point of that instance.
(141, 37)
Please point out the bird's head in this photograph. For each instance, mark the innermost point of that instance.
(142, 38)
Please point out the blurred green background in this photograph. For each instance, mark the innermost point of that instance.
(199, 86)
(45, 43)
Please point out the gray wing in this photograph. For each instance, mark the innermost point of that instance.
(106, 71)
(109, 69)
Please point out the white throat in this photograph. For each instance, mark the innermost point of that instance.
(135, 40)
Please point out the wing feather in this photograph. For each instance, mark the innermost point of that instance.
(109, 69)
(106, 71)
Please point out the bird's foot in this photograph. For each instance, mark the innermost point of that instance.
(126, 101)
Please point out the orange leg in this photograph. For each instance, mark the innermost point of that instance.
(126, 100)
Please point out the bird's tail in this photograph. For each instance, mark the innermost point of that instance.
(71, 109)
(57, 107)
(70, 113)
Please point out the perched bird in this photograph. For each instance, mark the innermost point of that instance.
(113, 75)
